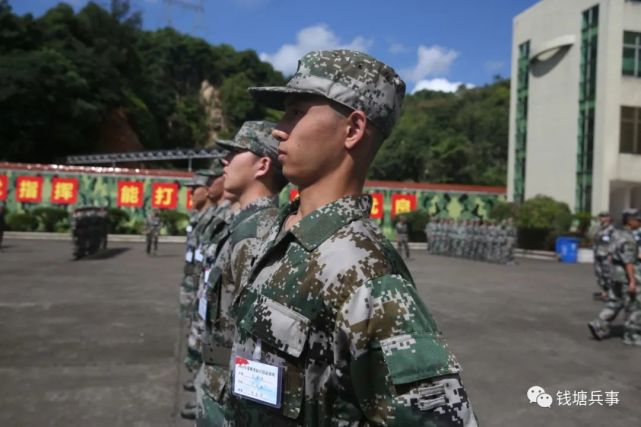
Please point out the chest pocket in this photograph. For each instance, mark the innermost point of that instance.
(283, 333)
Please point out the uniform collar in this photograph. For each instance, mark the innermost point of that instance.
(321, 224)
(255, 206)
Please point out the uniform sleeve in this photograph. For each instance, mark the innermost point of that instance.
(402, 372)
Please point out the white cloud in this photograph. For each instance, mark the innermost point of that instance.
(316, 37)
(439, 84)
(396, 48)
(432, 61)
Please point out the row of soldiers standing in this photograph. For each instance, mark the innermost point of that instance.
(473, 239)
(617, 266)
(306, 315)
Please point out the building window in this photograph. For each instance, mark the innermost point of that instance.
(520, 148)
(631, 54)
(587, 98)
(630, 130)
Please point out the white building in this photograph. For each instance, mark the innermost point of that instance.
(575, 111)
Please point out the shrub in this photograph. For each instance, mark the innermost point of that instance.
(175, 222)
(118, 219)
(49, 217)
(504, 210)
(540, 221)
(22, 221)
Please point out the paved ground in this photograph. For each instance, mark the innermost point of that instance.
(94, 342)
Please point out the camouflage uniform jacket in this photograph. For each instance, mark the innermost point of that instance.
(333, 304)
(625, 250)
(602, 241)
(238, 249)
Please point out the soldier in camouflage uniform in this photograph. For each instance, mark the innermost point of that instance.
(623, 291)
(254, 178)
(198, 187)
(601, 247)
(215, 207)
(329, 304)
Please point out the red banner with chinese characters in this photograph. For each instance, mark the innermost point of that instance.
(29, 189)
(293, 193)
(130, 194)
(403, 203)
(164, 195)
(64, 191)
(189, 202)
(377, 206)
(4, 187)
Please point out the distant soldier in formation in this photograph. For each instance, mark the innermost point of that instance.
(623, 291)
(152, 230)
(402, 236)
(601, 247)
(473, 239)
(198, 186)
(215, 209)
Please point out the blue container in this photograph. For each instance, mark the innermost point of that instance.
(567, 248)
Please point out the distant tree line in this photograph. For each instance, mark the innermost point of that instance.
(61, 74)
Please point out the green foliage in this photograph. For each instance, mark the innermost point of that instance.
(504, 210)
(21, 221)
(545, 212)
(449, 137)
(175, 222)
(63, 73)
(50, 219)
(118, 219)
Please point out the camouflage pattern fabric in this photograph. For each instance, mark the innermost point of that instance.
(602, 261)
(212, 214)
(339, 75)
(333, 304)
(188, 287)
(625, 250)
(254, 136)
(238, 248)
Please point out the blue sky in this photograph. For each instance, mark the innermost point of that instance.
(434, 44)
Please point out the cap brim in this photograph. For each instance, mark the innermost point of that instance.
(275, 96)
(229, 144)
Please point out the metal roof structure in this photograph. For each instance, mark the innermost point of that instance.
(146, 156)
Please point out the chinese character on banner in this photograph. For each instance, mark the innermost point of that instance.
(164, 195)
(403, 203)
(4, 187)
(189, 203)
(130, 194)
(564, 398)
(29, 189)
(377, 206)
(293, 193)
(64, 191)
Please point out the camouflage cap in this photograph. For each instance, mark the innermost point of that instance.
(604, 214)
(353, 79)
(254, 136)
(198, 180)
(215, 170)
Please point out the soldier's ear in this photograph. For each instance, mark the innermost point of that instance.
(262, 166)
(356, 129)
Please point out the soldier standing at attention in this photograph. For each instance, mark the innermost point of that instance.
(152, 230)
(198, 188)
(623, 290)
(252, 176)
(601, 247)
(402, 236)
(330, 307)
